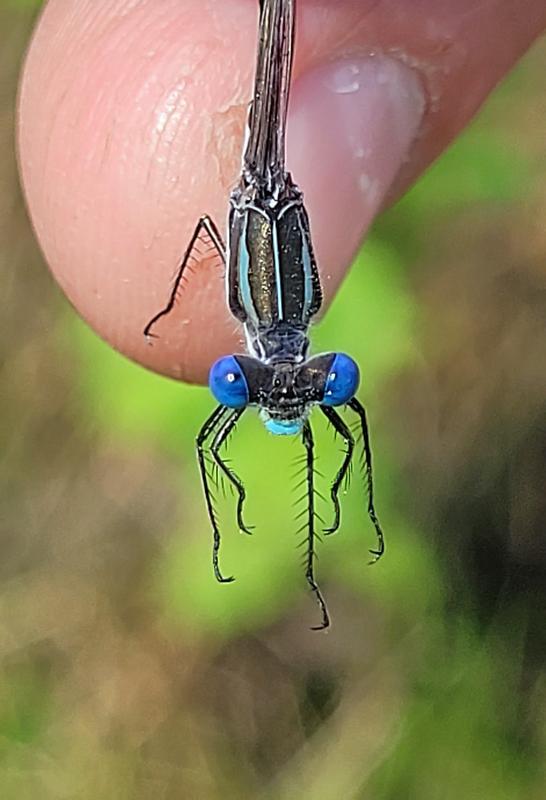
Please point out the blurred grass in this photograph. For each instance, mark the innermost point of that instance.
(127, 672)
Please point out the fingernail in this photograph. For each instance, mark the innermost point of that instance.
(351, 126)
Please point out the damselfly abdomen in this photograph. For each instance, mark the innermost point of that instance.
(273, 289)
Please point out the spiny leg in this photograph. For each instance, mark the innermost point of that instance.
(216, 419)
(221, 435)
(359, 409)
(205, 224)
(307, 437)
(340, 427)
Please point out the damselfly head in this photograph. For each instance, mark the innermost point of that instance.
(284, 391)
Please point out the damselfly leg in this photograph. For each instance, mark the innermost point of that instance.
(221, 436)
(343, 430)
(359, 409)
(212, 427)
(309, 444)
(206, 234)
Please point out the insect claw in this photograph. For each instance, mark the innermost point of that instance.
(376, 556)
(248, 529)
(221, 579)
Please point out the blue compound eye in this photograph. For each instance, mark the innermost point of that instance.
(227, 382)
(342, 381)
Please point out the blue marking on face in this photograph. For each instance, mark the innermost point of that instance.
(284, 427)
(228, 383)
(342, 381)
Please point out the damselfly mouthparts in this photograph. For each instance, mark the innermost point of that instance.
(273, 289)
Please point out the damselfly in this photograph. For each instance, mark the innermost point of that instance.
(273, 289)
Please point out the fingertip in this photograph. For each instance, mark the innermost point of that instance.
(130, 123)
(352, 124)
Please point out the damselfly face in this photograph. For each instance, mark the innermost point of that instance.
(284, 391)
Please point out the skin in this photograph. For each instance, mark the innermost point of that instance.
(131, 122)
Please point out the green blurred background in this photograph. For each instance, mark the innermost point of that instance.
(127, 672)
